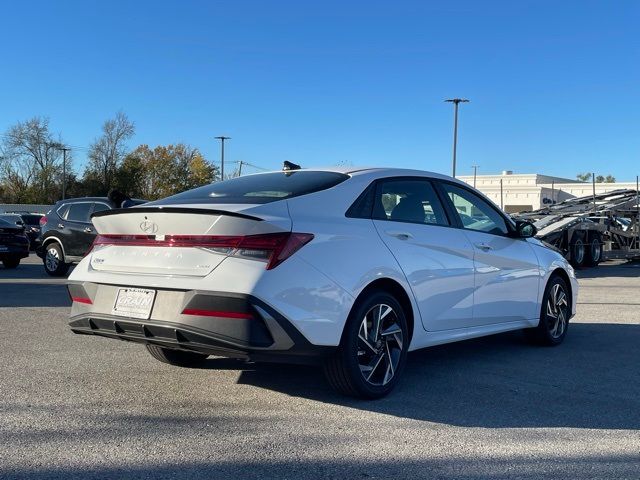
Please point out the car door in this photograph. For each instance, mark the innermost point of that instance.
(507, 272)
(80, 231)
(436, 258)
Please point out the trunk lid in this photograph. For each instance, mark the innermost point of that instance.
(178, 239)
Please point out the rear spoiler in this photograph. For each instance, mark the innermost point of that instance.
(162, 209)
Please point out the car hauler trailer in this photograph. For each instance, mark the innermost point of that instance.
(593, 228)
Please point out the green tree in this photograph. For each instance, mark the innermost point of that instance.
(163, 171)
(586, 177)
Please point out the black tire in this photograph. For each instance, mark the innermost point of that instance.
(177, 357)
(53, 260)
(383, 355)
(578, 250)
(11, 262)
(547, 332)
(594, 251)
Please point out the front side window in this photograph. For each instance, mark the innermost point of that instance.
(474, 212)
(408, 200)
(79, 212)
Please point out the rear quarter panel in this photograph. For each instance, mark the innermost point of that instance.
(347, 250)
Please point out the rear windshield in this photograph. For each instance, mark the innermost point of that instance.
(259, 188)
(31, 219)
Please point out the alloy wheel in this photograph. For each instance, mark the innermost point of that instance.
(595, 250)
(557, 311)
(578, 252)
(380, 342)
(52, 259)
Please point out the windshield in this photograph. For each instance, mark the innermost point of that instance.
(259, 188)
(31, 219)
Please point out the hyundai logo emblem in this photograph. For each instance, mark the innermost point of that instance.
(148, 227)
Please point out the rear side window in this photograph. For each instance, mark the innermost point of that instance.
(260, 188)
(99, 207)
(79, 212)
(62, 211)
(410, 201)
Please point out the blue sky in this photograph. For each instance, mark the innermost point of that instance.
(554, 86)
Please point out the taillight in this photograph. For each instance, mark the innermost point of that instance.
(43, 220)
(216, 313)
(85, 300)
(272, 248)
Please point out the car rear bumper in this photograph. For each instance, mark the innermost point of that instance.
(13, 251)
(218, 323)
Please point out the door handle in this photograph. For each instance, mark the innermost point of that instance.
(60, 225)
(483, 246)
(399, 235)
(88, 230)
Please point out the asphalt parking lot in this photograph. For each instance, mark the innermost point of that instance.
(76, 407)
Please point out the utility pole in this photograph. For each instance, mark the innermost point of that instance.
(64, 150)
(501, 196)
(475, 173)
(240, 169)
(222, 138)
(455, 102)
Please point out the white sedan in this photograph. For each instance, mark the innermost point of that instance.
(348, 268)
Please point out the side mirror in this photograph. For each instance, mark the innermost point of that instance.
(525, 229)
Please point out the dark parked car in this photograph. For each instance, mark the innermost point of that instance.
(67, 232)
(31, 222)
(14, 244)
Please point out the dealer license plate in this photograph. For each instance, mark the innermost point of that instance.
(134, 303)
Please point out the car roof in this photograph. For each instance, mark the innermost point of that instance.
(84, 199)
(93, 199)
(375, 172)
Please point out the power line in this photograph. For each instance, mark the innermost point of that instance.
(251, 165)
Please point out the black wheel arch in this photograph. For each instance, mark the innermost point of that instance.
(399, 293)
(48, 241)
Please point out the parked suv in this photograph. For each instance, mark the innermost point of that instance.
(67, 232)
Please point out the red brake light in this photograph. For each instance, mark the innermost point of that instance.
(43, 220)
(82, 300)
(274, 248)
(216, 313)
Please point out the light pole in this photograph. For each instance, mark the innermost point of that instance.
(475, 174)
(222, 138)
(455, 102)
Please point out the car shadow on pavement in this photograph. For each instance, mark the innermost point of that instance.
(523, 467)
(591, 381)
(30, 286)
(629, 269)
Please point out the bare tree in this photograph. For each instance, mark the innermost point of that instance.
(32, 161)
(108, 151)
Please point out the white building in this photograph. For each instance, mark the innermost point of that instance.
(531, 191)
